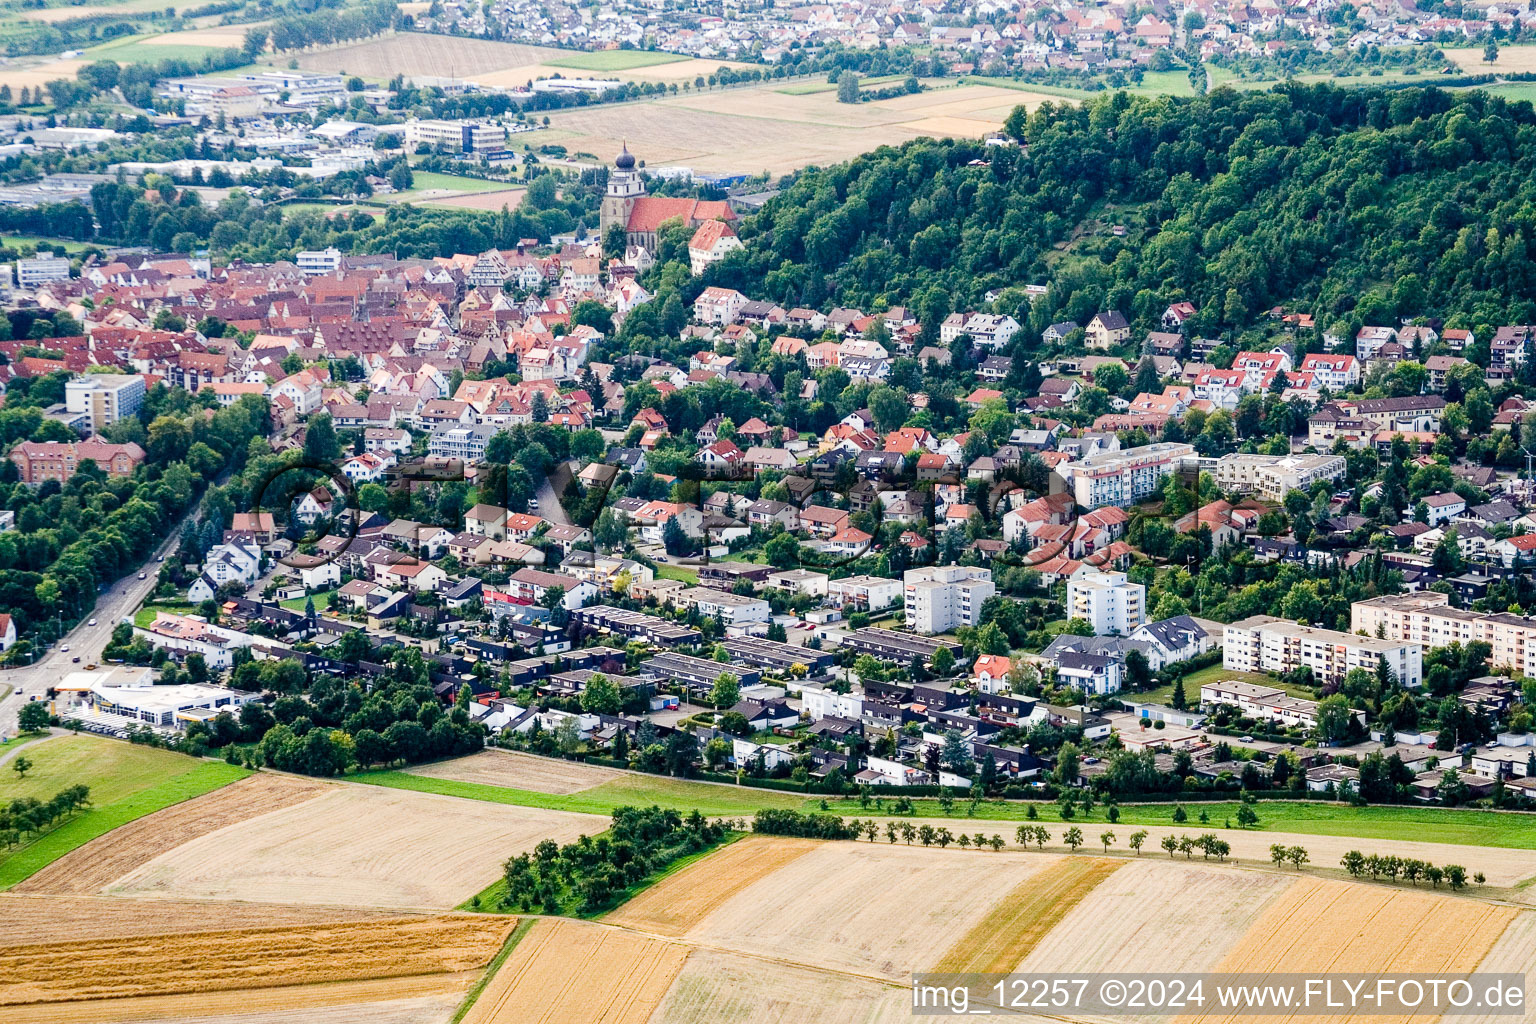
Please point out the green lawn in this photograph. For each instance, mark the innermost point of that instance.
(145, 617)
(628, 790)
(127, 782)
(19, 738)
(1512, 91)
(1195, 680)
(320, 597)
(677, 572)
(38, 241)
(1164, 83)
(813, 87)
(137, 50)
(614, 60)
(1426, 824)
(1065, 92)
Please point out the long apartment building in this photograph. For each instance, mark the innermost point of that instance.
(1267, 644)
(1124, 477)
(1272, 477)
(1428, 620)
(940, 598)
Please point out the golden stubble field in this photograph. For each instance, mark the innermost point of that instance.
(356, 846)
(757, 128)
(515, 769)
(1512, 60)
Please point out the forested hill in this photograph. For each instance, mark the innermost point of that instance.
(1354, 204)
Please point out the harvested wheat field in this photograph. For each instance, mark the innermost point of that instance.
(1013, 928)
(425, 999)
(249, 958)
(19, 78)
(721, 988)
(517, 770)
(565, 971)
(357, 846)
(31, 920)
(1512, 60)
(1320, 926)
(684, 899)
(1180, 917)
(103, 860)
(876, 910)
(1513, 953)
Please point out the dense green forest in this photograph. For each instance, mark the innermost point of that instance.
(1356, 204)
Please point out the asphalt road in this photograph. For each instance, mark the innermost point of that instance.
(118, 601)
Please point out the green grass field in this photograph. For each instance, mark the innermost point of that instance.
(677, 572)
(1425, 824)
(135, 50)
(38, 241)
(630, 790)
(127, 782)
(614, 60)
(1512, 91)
(1195, 680)
(1164, 83)
(812, 87)
(296, 604)
(1065, 92)
(145, 617)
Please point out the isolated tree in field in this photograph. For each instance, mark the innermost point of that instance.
(945, 837)
(1170, 844)
(1298, 856)
(1490, 52)
(965, 841)
(1246, 816)
(1137, 840)
(1456, 875)
(997, 842)
(908, 830)
(33, 717)
(21, 765)
(1180, 815)
(1187, 847)
(1278, 853)
(848, 87)
(1353, 862)
(890, 831)
(871, 830)
(1073, 838)
(926, 835)
(1106, 838)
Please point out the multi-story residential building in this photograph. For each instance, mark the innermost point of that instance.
(1108, 601)
(1427, 619)
(1266, 644)
(1267, 702)
(1271, 477)
(105, 397)
(943, 598)
(1124, 477)
(39, 461)
(464, 443)
(728, 608)
(1334, 371)
(901, 648)
(864, 593)
(40, 270)
(319, 261)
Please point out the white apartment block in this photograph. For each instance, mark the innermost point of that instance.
(943, 598)
(1427, 620)
(821, 703)
(1124, 477)
(1266, 644)
(1108, 601)
(865, 593)
(320, 261)
(107, 397)
(728, 608)
(1266, 702)
(1271, 477)
(40, 270)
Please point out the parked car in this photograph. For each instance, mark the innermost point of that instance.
(141, 576)
(91, 623)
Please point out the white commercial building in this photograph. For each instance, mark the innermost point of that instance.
(1266, 644)
(1124, 477)
(1272, 477)
(126, 695)
(1108, 601)
(946, 597)
(106, 397)
(459, 136)
(40, 270)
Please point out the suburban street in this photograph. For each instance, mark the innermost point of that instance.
(117, 602)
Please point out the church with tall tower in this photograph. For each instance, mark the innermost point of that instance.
(625, 202)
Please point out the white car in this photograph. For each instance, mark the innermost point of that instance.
(91, 623)
(64, 648)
